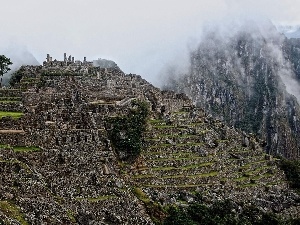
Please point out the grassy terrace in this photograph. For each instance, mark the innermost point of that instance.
(175, 159)
(14, 115)
(200, 175)
(183, 167)
(11, 210)
(11, 98)
(247, 166)
(9, 101)
(176, 165)
(26, 149)
(177, 145)
(15, 161)
(156, 121)
(176, 186)
(182, 153)
(4, 146)
(164, 126)
(21, 148)
(177, 136)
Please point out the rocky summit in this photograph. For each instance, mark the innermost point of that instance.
(248, 78)
(67, 155)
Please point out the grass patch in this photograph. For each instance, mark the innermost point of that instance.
(211, 174)
(101, 198)
(252, 163)
(9, 101)
(156, 121)
(189, 144)
(248, 185)
(177, 145)
(164, 126)
(183, 167)
(14, 115)
(4, 146)
(26, 149)
(164, 168)
(178, 136)
(161, 146)
(179, 158)
(176, 186)
(12, 211)
(170, 154)
(71, 216)
(141, 195)
(15, 161)
(197, 165)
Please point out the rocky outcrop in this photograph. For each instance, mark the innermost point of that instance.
(249, 79)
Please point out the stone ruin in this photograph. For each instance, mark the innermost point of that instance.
(56, 116)
(61, 109)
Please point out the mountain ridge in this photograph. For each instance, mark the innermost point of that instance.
(55, 140)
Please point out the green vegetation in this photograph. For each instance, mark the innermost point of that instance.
(4, 65)
(4, 146)
(26, 149)
(12, 211)
(156, 212)
(9, 101)
(71, 216)
(14, 115)
(141, 195)
(163, 126)
(21, 148)
(210, 174)
(156, 121)
(292, 172)
(126, 132)
(16, 77)
(194, 166)
(221, 212)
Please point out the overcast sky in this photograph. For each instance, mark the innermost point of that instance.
(141, 36)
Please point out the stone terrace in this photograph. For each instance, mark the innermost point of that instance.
(53, 141)
(187, 152)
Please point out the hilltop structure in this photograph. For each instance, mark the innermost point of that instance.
(54, 141)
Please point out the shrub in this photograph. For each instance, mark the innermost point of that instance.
(292, 172)
(126, 132)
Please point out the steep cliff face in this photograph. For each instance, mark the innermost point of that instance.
(248, 78)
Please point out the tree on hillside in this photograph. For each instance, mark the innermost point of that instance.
(4, 65)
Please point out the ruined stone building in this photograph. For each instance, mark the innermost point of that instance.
(53, 140)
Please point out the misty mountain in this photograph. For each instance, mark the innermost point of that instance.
(249, 78)
(18, 57)
(290, 31)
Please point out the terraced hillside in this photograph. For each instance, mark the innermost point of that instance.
(189, 152)
(58, 165)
